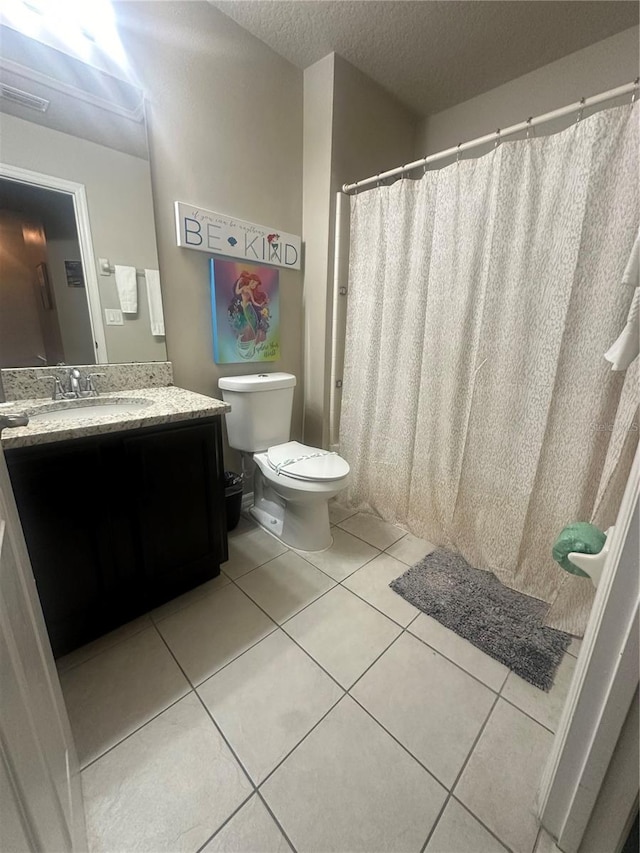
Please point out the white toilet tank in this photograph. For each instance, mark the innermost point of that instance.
(261, 405)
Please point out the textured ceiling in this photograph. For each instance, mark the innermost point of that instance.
(430, 54)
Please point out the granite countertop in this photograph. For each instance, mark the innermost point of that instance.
(152, 406)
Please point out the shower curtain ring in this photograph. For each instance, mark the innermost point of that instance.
(529, 128)
(497, 142)
(426, 160)
(580, 111)
(378, 181)
(458, 152)
(636, 82)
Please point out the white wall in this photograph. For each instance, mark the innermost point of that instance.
(225, 133)
(353, 129)
(601, 66)
(316, 232)
(71, 303)
(118, 191)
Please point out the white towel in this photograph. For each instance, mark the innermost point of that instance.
(627, 346)
(154, 296)
(127, 289)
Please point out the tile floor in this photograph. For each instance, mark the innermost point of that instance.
(296, 702)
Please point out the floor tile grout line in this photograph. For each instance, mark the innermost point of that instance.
(302, 739)
(404, 629)
(293, 615)
(374, 662)
(195, 597)
(293, 640)
(262, 565)
(242, 653)
(399, 742)
(208, 713)
(366, 563)
(276, 627)
(292, 551)
(260, 795)
(355, 699)
(367, 541)
(336, 523)
(538, 834)
(226, 821)
(446, 657)
(382, 613)
(136, 730)
(107, 648)
(475, 743)
(533, 719)
(460, 772)
(347, 691)
(475, 817)
(243, 768)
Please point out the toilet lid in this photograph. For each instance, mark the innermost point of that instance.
(301, 462)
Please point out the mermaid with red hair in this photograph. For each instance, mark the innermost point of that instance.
(248, 310)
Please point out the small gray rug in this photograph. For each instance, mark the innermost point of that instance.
(506, 624)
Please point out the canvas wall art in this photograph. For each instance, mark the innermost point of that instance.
(246, 312)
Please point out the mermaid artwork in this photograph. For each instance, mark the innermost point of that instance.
(249, 313)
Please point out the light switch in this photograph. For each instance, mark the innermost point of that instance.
(113, 317)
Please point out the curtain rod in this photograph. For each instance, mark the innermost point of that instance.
(497, 135)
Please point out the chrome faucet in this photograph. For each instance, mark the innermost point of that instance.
(73, 386)
(74, 377)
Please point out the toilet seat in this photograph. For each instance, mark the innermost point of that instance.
(301, 462)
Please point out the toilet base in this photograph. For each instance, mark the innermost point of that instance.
(304, 527)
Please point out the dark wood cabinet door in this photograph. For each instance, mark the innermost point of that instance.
(116, 524)
(177, 479)
(60, 501)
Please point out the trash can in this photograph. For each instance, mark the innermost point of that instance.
(232, 498)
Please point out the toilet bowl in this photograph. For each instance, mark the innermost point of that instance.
(293, 484)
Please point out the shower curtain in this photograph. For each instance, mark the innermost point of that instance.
(478, 410)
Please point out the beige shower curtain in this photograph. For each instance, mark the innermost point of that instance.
(477, 408)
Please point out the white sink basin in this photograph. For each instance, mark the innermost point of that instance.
(75, 412)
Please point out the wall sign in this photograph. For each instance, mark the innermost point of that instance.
(246, 312)
(74, 273)
(219, 234)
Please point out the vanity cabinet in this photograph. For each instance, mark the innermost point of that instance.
(119, 523)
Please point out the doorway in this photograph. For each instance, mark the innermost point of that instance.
(44, 312)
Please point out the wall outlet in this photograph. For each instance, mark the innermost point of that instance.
(113, 317)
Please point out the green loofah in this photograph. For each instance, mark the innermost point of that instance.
(581, 537)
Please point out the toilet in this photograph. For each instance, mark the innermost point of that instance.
(293, 483)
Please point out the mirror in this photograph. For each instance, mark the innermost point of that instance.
(75, 188)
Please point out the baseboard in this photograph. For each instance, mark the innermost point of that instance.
(247, 501)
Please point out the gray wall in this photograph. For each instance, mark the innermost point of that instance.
(316, 231)
(118, 188)
(601, 66)
(71, 303)
(225, 133)
(353, 129)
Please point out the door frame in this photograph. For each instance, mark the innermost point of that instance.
(603, 688)
(83, 225)
(36, 822)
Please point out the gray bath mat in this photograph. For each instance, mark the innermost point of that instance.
(507, 625)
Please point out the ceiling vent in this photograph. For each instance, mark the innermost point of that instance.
(23, 99)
